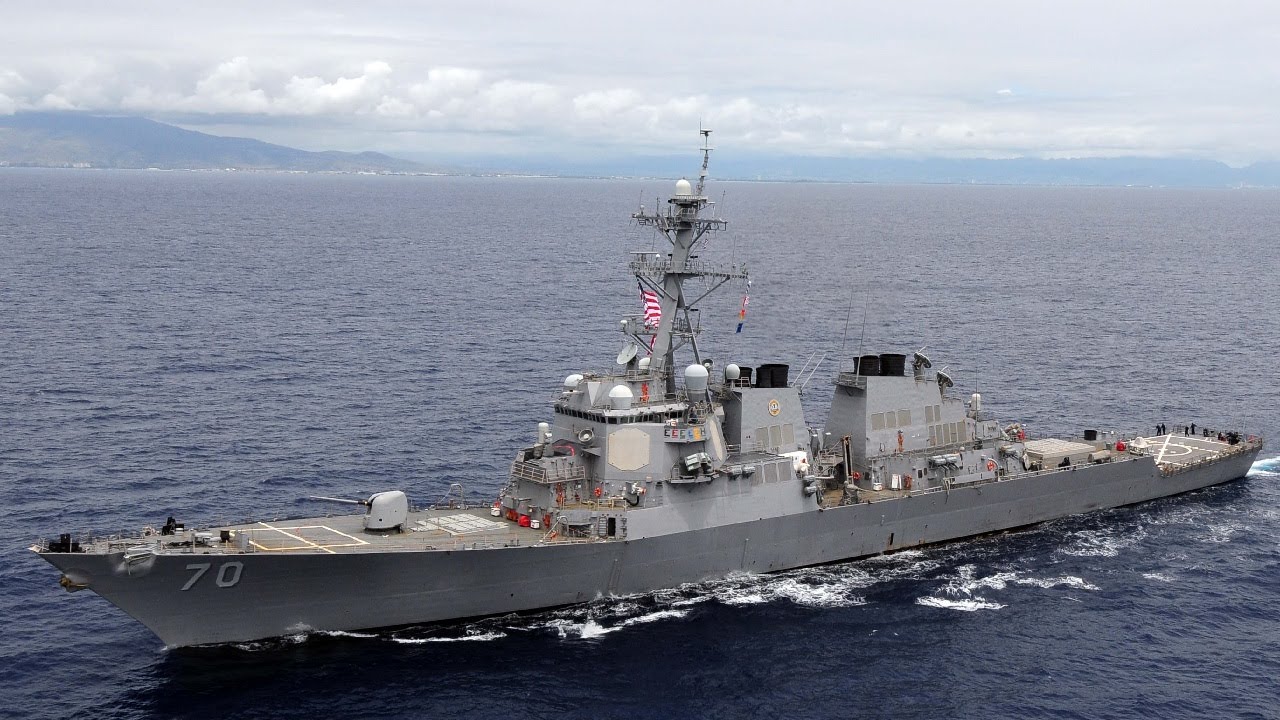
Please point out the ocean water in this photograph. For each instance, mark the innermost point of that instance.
(218, 346)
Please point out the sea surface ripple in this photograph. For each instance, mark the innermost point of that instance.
(218, 346)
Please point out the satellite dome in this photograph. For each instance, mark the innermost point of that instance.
(695, 378)
(683, 188)
(571, 382)
(644, 363)
(620, 397)
(732, 372)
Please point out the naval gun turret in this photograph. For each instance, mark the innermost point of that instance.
(386, 511)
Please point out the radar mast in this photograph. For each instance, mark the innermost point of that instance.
(684, 229)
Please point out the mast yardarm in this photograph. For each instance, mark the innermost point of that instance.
(683, 228)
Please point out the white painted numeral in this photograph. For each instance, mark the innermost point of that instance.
(229, 573)
(201, 569)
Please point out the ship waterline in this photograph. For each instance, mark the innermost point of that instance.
(650, 476)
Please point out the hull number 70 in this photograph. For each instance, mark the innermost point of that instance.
(228, 573)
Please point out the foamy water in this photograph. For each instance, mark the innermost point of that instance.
(970, 605)
(1266, 467)
(1105, 542)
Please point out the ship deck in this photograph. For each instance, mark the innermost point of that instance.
(434, 529)
(1172, 452)
(1175, 452)
(469, 528)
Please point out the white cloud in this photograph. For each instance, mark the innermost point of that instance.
(604, 105)
(393, 107)
(230, 88)
(54, 101)
(314, 95)
(444, 84)
(11, 81)
(1099, 77)
(513, 99)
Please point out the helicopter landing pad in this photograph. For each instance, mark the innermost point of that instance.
(280, 538)
(1181, 450)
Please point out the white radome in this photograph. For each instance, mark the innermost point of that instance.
(620, 397)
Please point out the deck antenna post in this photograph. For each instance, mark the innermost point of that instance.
(862, 337)
(848, 313)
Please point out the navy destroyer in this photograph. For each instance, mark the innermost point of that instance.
(661, 470)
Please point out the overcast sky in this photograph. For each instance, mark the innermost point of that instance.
(967, 79)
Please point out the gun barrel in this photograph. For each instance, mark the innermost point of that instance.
(339, 500)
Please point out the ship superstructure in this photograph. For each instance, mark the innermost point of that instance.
(662, 470)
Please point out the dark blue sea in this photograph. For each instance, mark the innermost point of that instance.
(218, 346)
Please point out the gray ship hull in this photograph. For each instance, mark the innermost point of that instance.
(265, 595)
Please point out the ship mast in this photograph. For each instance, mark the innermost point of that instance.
(683, 229)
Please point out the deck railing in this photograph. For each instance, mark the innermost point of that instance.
(534, 472)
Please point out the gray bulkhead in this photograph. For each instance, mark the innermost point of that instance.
(765, 419)
(885, 421)
(682, 461)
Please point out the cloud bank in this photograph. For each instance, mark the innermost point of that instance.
(995, 79)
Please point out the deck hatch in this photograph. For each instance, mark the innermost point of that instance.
(462, 524)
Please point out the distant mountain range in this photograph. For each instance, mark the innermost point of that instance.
(77, 140)
(80, 140)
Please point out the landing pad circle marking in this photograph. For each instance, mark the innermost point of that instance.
(1175, 449)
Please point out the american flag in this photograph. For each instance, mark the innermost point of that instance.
(652, 307)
